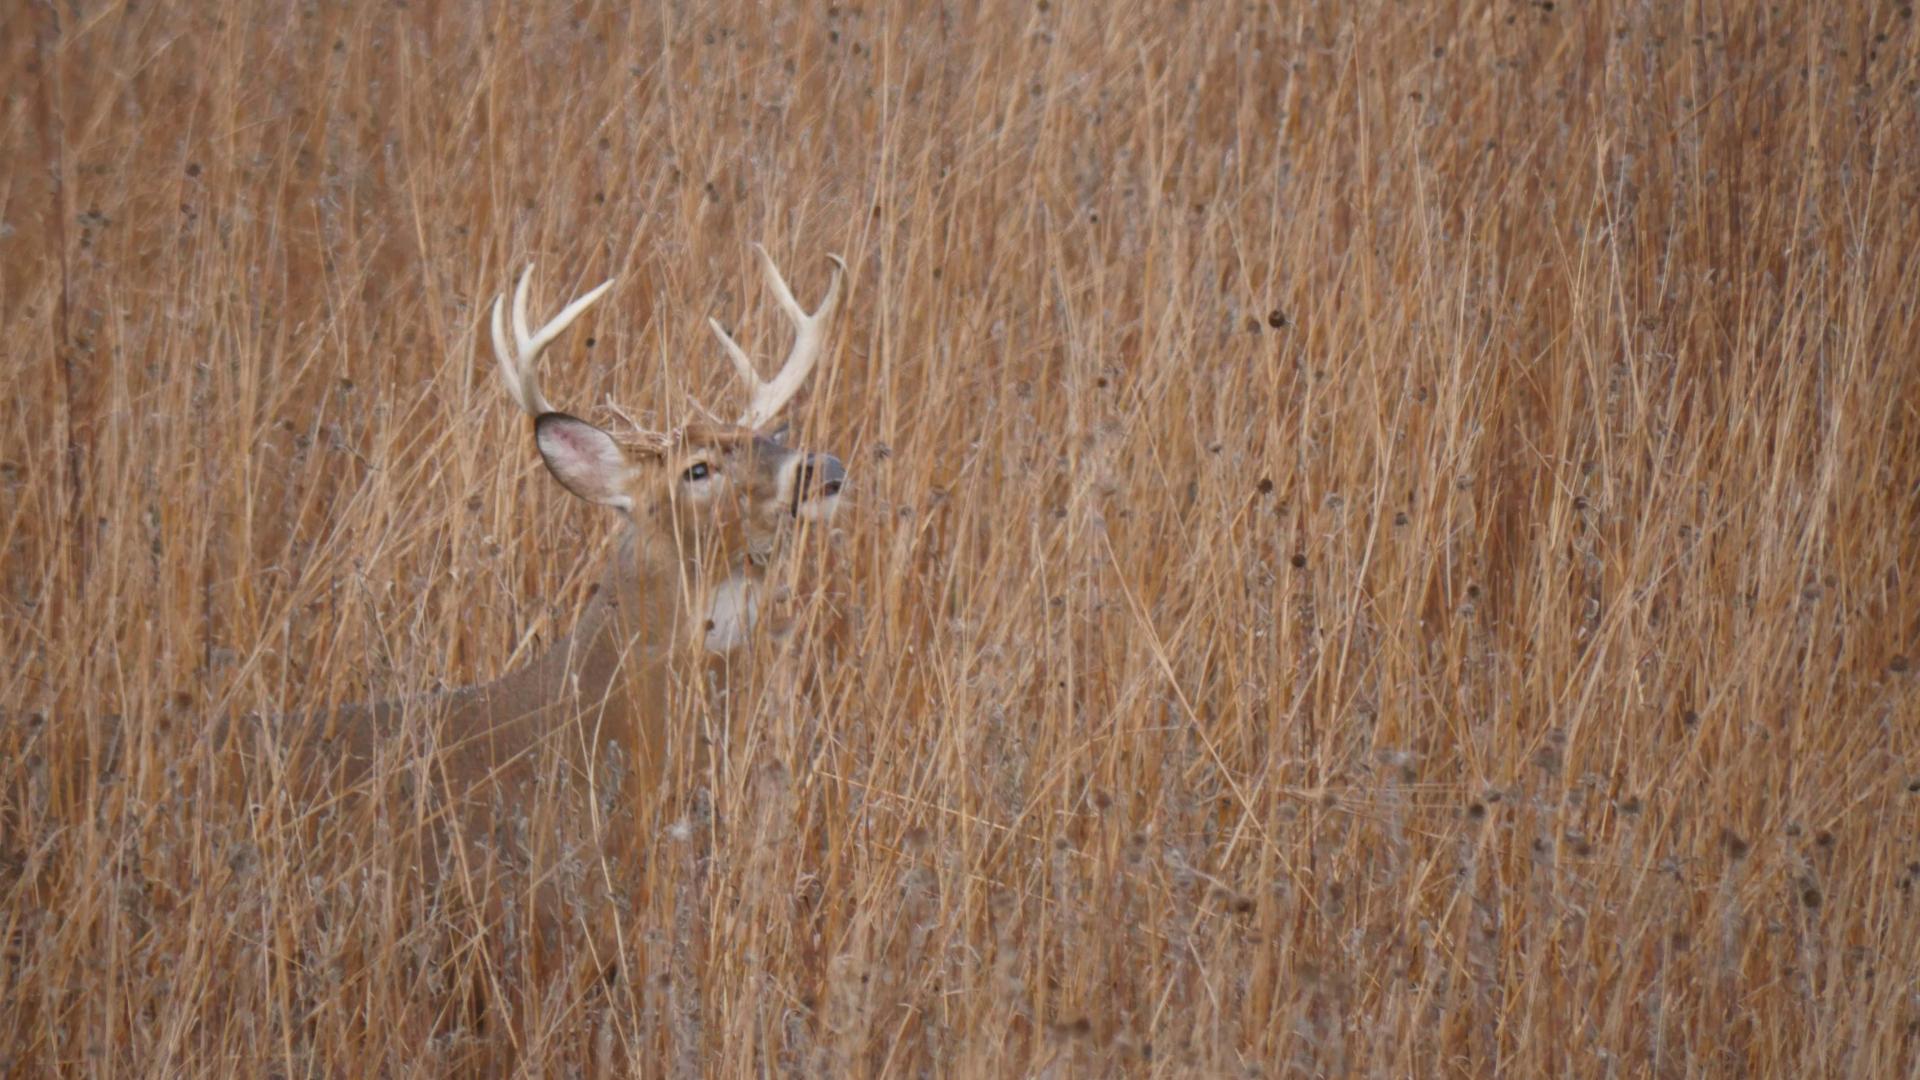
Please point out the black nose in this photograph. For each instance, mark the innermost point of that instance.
(821, 475)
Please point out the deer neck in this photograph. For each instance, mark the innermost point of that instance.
(625, 629)
(649, 603)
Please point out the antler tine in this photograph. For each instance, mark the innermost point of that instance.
(517, 364)
(767, 397)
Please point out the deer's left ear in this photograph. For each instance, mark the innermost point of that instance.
(586, 460)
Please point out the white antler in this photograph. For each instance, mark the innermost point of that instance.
(517, 364)
(768, 397)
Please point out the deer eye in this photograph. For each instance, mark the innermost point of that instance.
(697, 472)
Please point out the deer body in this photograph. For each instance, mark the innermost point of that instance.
(613, 665)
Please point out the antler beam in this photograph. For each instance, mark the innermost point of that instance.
(517, 364)
(768, 397)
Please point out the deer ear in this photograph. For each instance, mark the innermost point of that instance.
(584, 459)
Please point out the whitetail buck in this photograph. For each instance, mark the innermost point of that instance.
(704, 507)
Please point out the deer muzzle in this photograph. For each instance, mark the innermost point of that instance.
(816, 486)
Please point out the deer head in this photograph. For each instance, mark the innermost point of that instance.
(709, 501)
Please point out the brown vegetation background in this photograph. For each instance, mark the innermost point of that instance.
(1386, 533)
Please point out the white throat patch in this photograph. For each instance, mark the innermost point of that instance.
(731, 614)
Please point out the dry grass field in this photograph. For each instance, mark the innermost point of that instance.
(1385, 536)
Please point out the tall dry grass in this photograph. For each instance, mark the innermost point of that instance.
(1386, 537)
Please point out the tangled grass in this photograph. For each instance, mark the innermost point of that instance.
(1386, 534)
